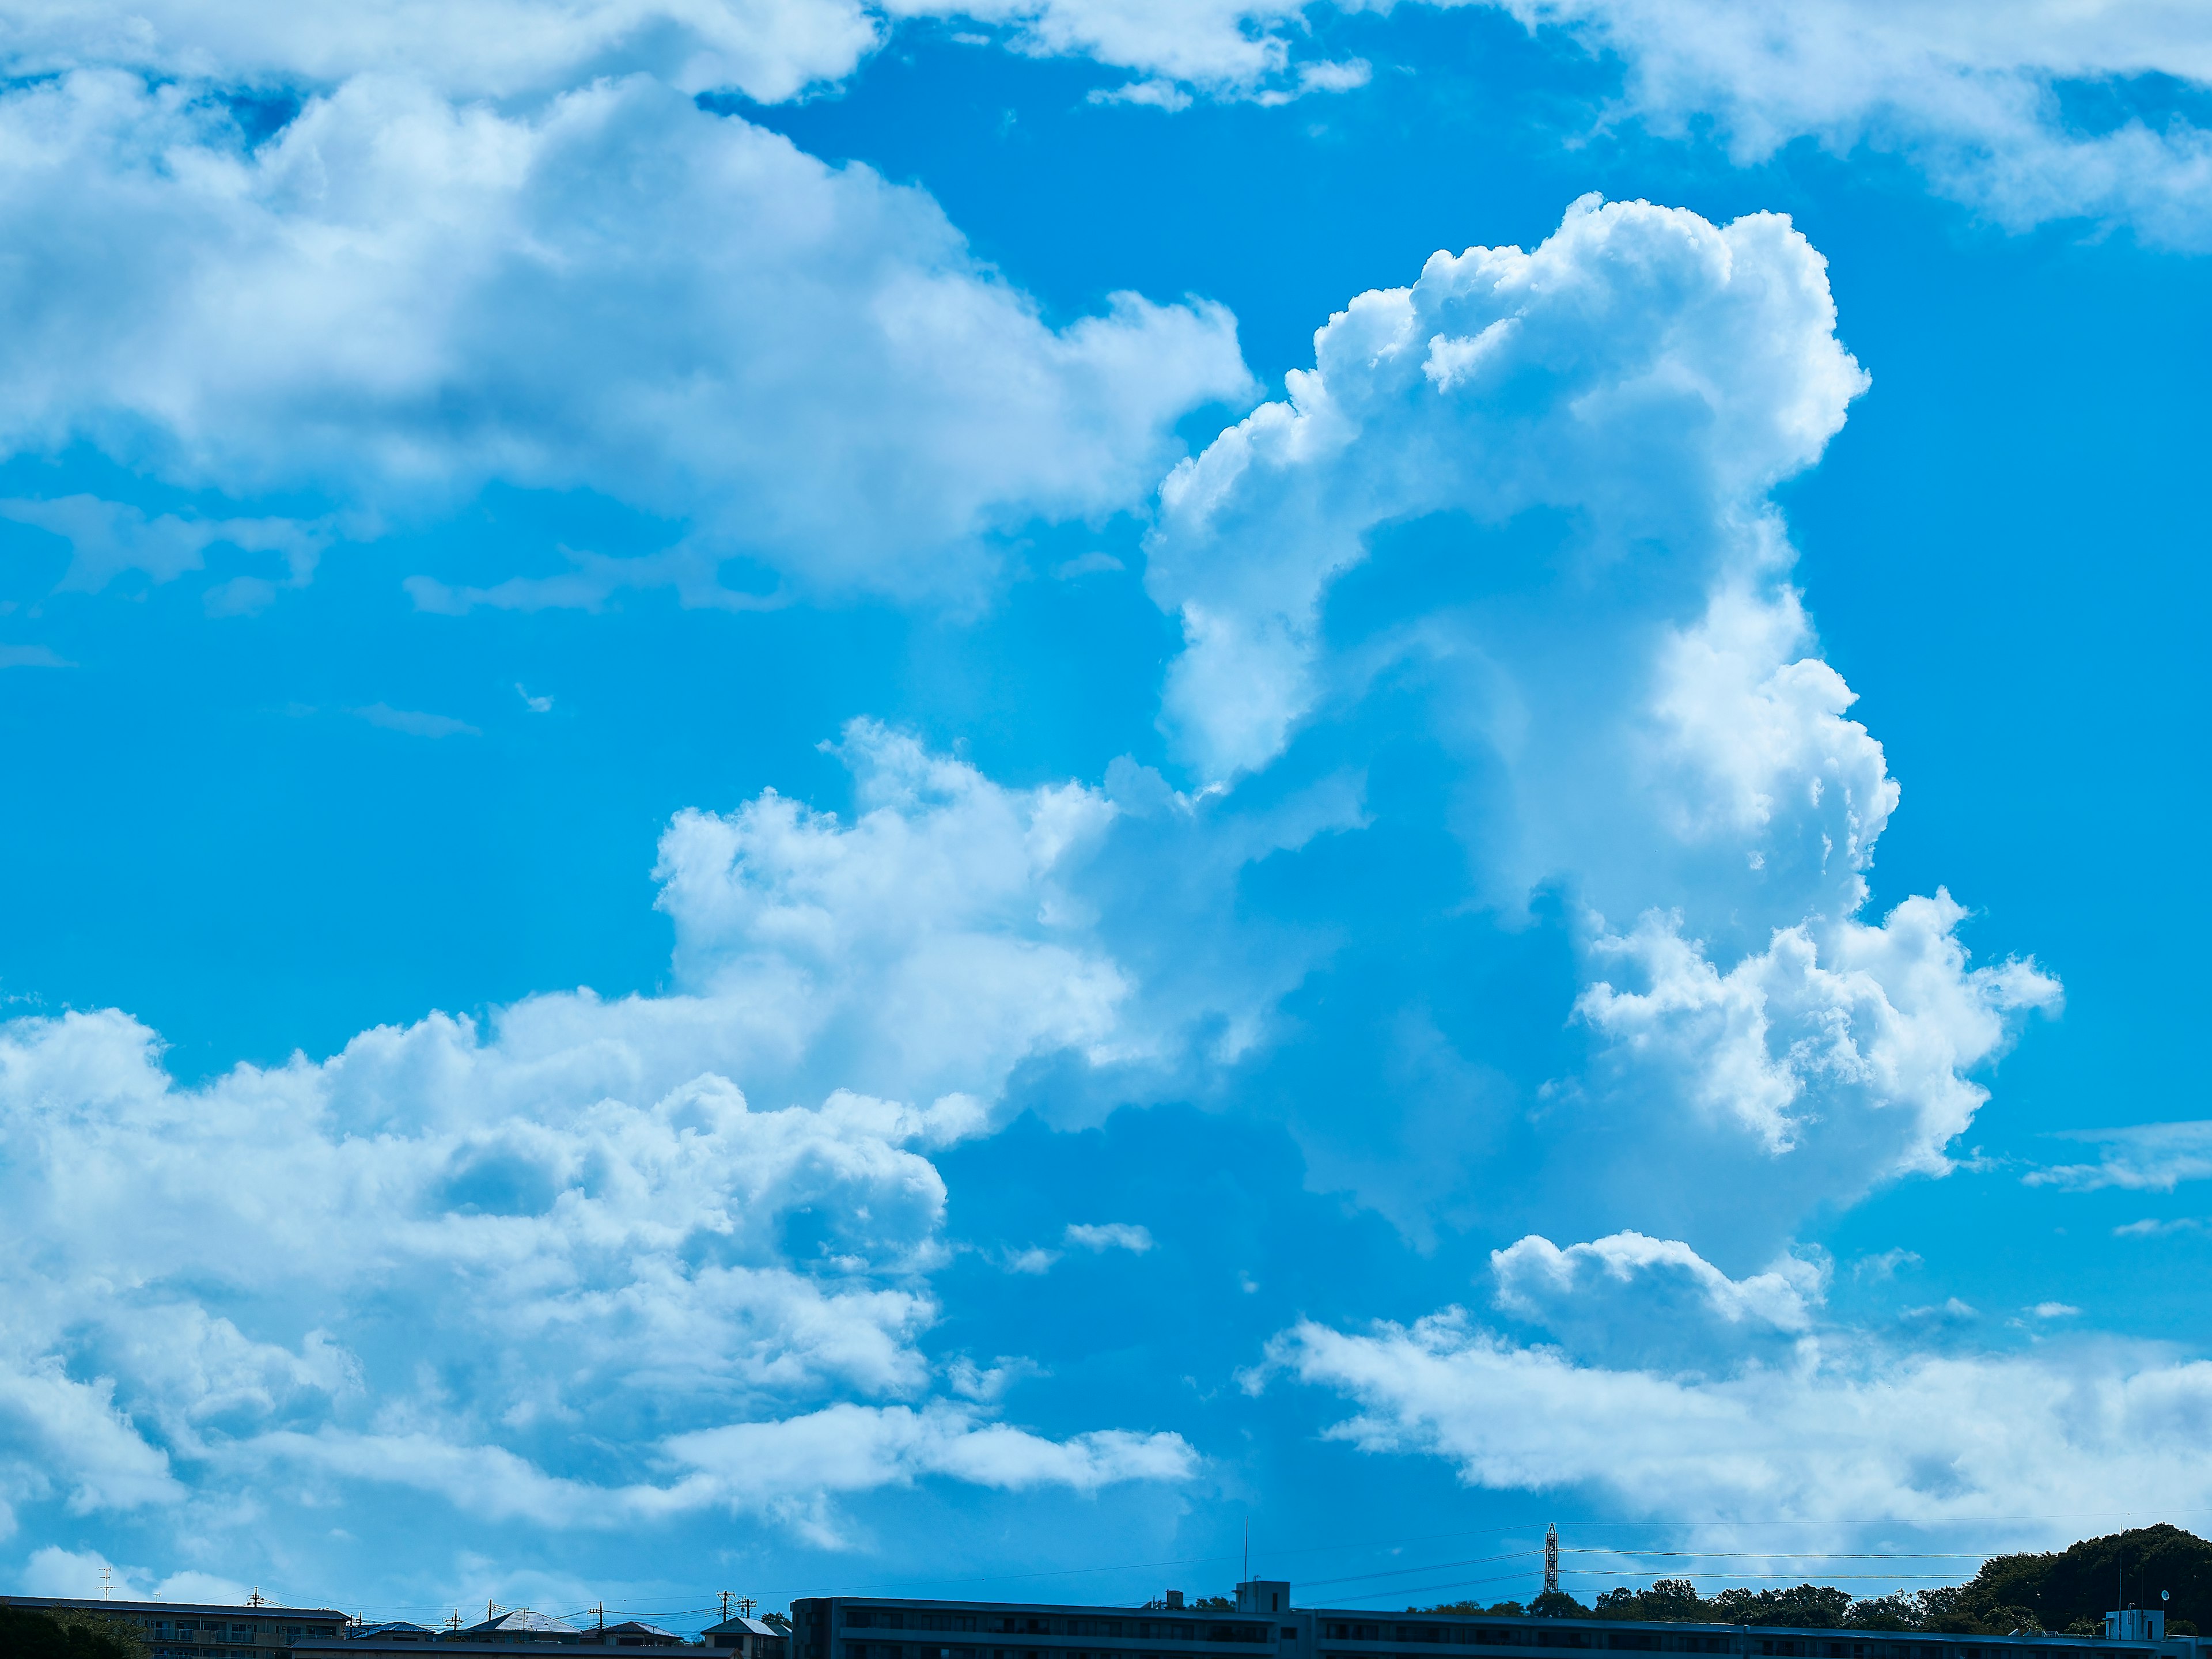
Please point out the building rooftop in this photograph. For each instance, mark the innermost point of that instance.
(117, 1604)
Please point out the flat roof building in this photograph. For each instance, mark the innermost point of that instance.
(1262, 1624)
(195, 1629)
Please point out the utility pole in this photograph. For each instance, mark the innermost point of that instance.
(1551, 1559)
(746, 1605)
(726, 1606)
(255, 1597)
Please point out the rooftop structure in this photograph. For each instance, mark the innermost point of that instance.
(516, 1626)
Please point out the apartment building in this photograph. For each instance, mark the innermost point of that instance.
(1263, 1624)
(185, 1630)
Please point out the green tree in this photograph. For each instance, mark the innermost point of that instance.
(66, 1633)
(1675, 1599)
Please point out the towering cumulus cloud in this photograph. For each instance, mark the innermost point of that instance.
(1525, 504)
(1557, 465)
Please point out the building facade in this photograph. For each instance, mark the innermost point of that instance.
(747, 1638)
(184, 1629)
(1262, 1624)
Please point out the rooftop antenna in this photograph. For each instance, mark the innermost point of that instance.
(1551, 1559)
(106, 1582)
(1247, 1548)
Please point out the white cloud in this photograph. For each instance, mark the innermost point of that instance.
(2151, 1227)
(1555, 466)
(503, 1201)
(2055, 1310)
(1885, 1266)
(2153, 1157)
(417, 724)
(1100, 1236)
(1177, 48)
(399, 298)
(32, 656)
(937, 940)
(52, 1571)
(769, 49)
(955, 928)
(1845, 1430)
(1971, 93)
(1848, 1041)
(219, 1264)
(1643, 368)
(591, 579)
(1643, 1301)
(107, 538)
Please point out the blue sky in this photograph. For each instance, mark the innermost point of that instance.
(804, 795)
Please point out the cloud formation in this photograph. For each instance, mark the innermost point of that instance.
(1520, 512)
(202, 1282)
(1642, 368)
(717, 1203)
(2154, 1158)
(398, 299)
(2000, 109)
(769, 51)
(1663, 1418)
(1631, 1299)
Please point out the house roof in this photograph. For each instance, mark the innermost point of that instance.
(518, 1621)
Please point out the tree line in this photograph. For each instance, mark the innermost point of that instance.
(66, 1633)
(2065, 1592)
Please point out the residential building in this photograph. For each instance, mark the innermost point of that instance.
(193, 1630)
(631, 1634)
(518, 1627)
(746, 1638)
(1263, 1624)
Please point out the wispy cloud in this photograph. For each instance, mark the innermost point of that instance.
(416, 723)
(2151, 1227)
(32, 656)
(2153, 1158)
(1109, 1235)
